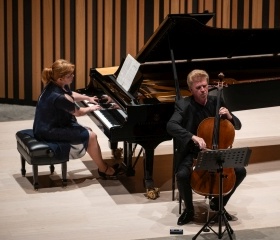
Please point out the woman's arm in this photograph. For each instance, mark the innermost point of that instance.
(84, 110)
(80, 97)
(81, 111)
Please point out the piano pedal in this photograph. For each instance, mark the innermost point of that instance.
(117, 153)
(153, 193)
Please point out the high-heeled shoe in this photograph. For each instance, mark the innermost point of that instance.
(104, 175)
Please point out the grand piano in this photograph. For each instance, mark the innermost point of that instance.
(248, 58)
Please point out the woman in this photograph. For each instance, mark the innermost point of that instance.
(55, 117)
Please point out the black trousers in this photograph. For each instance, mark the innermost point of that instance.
(183, 178)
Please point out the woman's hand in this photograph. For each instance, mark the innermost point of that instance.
(115, 106)
(106, 98)
(93, 99)
(95, 107)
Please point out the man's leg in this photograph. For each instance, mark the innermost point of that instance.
(183, 177)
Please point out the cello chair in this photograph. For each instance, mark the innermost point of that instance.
(173, 183)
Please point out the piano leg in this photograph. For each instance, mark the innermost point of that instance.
(127, 159)
(148, 168)
(116, 152)
(148, 149)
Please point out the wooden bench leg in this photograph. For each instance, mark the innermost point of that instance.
(64, 174)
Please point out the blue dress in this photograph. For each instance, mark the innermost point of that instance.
(55, 124)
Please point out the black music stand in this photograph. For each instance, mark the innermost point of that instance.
(216, 160)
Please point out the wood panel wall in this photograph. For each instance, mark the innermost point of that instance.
(97, 33)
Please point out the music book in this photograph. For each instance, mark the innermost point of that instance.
(128, 71)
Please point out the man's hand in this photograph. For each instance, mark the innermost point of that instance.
(225, 111)
(199, 142)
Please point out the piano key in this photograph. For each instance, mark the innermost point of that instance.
(105, 121)
(109, 117)
(100, 116)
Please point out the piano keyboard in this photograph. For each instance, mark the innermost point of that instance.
(109, 117)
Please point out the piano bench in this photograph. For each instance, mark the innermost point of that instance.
(38, 153)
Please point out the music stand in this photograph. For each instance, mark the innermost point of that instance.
(216, 160)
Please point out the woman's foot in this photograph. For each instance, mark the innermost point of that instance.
(109, 171)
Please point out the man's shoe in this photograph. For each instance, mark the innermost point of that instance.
(185, 217)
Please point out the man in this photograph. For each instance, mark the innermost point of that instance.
(182, 126)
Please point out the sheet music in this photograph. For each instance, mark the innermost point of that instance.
(128, 72)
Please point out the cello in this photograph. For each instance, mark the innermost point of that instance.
(218, 134)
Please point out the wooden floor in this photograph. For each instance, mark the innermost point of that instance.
(91, 208)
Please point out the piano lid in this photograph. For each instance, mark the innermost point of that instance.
(191, 39)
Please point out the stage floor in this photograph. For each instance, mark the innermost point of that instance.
(91, 208)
